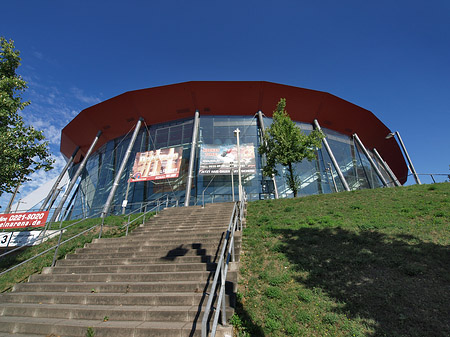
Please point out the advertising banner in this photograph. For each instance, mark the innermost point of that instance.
(217, 159)
(23, 220)
(157, 164)
(25, 238)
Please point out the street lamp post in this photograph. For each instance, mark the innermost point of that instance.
(232, 180)
(125, 201)
(236, 132)
(410, 164)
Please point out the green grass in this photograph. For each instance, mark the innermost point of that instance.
(363, 263)
(111, 228)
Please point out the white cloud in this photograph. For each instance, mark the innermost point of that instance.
(38, 179)
(52, 108)
(80, 95)
(38, 55)
(51, 131)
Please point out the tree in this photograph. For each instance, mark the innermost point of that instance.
(284, 143)
(22, 148)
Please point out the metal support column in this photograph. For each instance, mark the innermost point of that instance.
(410, 164)
(121, 168)
(55, 185)
(191, 159)
(386, 168)
(333, 159)
(263, 131)
(75, 177)
(54, 196)
(366, 153)
(237, 133)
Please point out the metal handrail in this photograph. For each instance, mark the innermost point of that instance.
(143, 204)
(41, 238)
(61, 230)
(227, 254)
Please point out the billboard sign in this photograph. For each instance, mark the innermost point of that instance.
(218, 159)
(25, 238)
(157, 164)
(23, 220)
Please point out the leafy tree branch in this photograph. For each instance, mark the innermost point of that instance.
(285, 143)
(23, 149)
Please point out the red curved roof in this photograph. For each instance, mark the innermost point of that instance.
(116, 116)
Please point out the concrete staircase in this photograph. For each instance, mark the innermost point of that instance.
(152, 283)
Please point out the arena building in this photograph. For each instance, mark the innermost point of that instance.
(179, 145)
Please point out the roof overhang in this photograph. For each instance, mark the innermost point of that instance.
(116, 116)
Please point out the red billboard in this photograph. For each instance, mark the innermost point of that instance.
(157, 164)
(23, 220)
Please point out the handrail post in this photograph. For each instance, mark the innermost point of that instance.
(57, 247)
(145, 211)
(128, 225)
(223, 279)
(233, 259)
(101, 228)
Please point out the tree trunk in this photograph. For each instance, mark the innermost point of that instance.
(292, 184)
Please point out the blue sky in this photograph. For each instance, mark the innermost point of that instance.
(390, 57)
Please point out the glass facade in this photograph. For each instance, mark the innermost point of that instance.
(216, 133)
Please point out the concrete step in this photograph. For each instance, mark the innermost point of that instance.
(151, 250)
(152, 247)
(161, 237)
(167, 242)
(131, 277)
(99, 312)
(79, 328)
(149, 299)
(7, 334)
(112, 287)
(174, 231)
(187, 221)
(161, 248)
(164, 243)
(138, 260)
(175, 228)
(145, 268)
(171, 255)
(154, 282)
(156, 254)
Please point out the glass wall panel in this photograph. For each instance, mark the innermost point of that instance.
(217, 132)
(368, 177)
(385, 175)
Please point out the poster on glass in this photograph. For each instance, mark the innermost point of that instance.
(219, 159)
(157, 164)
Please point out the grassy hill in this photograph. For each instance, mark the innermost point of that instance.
(363, 263)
